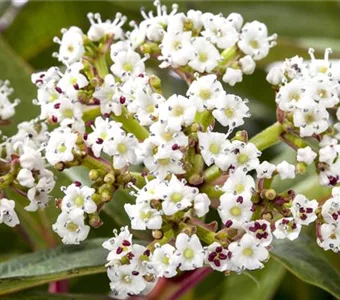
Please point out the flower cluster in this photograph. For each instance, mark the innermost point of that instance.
(202, 42)
(7, 108)
(103, 111)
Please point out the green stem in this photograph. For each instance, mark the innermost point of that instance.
(205, 235)
(293, 140)
(6, 180)
(211, 173)
(101, 66)
(91, 162)
(132, 125)
(268, 137)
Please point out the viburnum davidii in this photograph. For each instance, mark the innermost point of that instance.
(104, 112)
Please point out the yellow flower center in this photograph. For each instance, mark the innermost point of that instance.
(254, 44)
(176, 197)
(235, 211)
(248, 251)
(188, 253)
(79, 201)
(205, 94)
(202, 57)
(164, 161)
(72, 227)
(214, 148)
(165, 260)
(239, 188)
(68, 113)
(121, 148)
(62, 148)
(242, 158)
(128, 67)
(229, 112)
(178, 110)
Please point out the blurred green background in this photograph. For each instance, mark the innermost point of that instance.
(26, 46)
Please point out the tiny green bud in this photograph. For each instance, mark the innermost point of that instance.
(157, 234)
(94, 174)
(270, 194)
(301, 168)
(95, 221)
(109, 178)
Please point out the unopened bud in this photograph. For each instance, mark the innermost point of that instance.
(94, 174)
(157, 234)
(301, 168)
(270, 194)
(95, 221)
(109, 178)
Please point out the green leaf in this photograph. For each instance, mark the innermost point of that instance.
(19, 74)
(307, 261)
(260, 285)
(44, 266)
(47, 296)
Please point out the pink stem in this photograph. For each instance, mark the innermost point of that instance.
(190, 282)
(58, 287)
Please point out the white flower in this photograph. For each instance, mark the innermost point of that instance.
(303, 209)
(71, 229)
(329, 237)
(205, 91)
(213, 147)
(232, 76)
(286, 170)
(331, 210)
(247, 64)
(239, 183)
(101, 139)
(287, 228)
(218, 257)
(219, 30)
(161, 160)
(306, 155)
(311, 120)
(260, 230)
(254, 40)
(99, 28)
(324, 91)
(189, 253)
(119, 245)
(319, 66)
(176, 49)
(123, 149)
(31, 159)
(162, 261)
(243, 155)
(147, 106)
(152, 190)
(25, 178)
(248, 253)
(109, 96)
(235, 20)
(275, 76)
(231, 110)
(6, 107)
(60, 145)
(177, 196)
(125, 281)
(177, 111)
(292, 95)
(143, 217)
(201, 205)
(71, 45)
(7, 213)
(78, 198)
(127, 63)
(206, 55)
(234, 211)
(161, 133)
(265, 170)
(72, 81)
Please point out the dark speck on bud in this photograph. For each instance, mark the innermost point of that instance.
(58, 89)
(76, 86)
(228, 223)
(175, 147)
(122, 100)
(77, 183)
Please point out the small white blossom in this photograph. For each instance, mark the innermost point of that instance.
(287, 228)
(248, 253)
(306, 155)
(201, 204)
(303, 209)
(71, 229)
(7, 213)
(143, 217)
(232, 76)
(218, 257)
(265, 170)
(189, 253)
(162, 261)
(234, 211)
(329, 237)
(286, 170)
(331, 210)
(260, 230)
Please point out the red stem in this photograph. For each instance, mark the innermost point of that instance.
(58, 287)
(190, 282)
